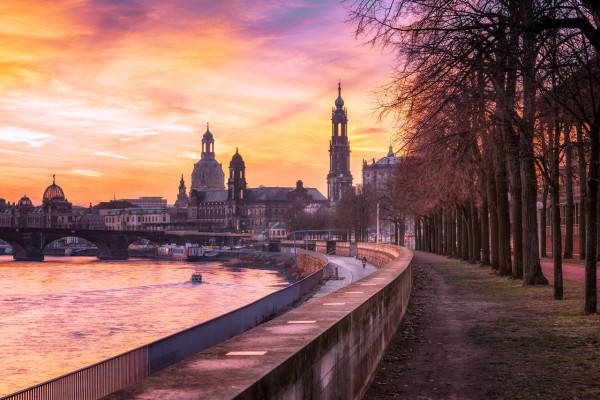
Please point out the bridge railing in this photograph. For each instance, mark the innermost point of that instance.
(105, 377)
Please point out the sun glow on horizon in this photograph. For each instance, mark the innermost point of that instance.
(113, 97)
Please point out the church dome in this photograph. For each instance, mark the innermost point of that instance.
(236, 160)
(25, 201)
(53, 191)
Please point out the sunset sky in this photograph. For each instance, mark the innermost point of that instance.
(113, 96)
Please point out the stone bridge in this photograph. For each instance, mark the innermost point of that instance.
(29, 243)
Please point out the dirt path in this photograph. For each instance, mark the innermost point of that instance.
(433, 355)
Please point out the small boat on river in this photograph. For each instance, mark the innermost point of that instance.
(196, 277)
(188, 252)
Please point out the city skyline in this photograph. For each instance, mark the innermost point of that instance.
(114, 97)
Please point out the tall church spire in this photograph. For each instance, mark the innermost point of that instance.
(339, 102)
(339, 178)
(182, 197)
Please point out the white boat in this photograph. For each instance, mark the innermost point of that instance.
(188, 252)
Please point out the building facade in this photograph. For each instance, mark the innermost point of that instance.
(54, 212)
(339, 178)
(148, 202)
(137, 219)
(241, 209)
(377, 177)
(378, 174)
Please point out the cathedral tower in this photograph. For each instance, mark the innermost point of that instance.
(208, 173)
(182, 197)
(339, 178)
(236, 184)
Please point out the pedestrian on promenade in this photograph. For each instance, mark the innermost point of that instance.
(364, 260)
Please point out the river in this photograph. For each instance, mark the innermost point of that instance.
(66, 313)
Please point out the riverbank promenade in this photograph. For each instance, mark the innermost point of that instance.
(471, 335)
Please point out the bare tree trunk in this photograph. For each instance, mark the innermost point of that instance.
(598, 223)
(465, 235)
(453, 250)
(470, 233)
(569, 208)
(476, 244)
(429, 234)
(400, 228)
(459, 234)
(424, 234)
(511, 142)
(418, 241)
(440, 237)
(591, 301)
(493, 218)
(582, 190)
(504, 259)
(485, 235)
(555, 205)
(444, 232)
(543, 220)
(532, 274)
(516, 212)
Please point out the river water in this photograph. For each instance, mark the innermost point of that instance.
(66, 313)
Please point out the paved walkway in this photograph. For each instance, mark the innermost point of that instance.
(350, 270)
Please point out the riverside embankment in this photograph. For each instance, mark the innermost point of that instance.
(327, 348)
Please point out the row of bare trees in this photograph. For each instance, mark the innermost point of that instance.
(493, 96)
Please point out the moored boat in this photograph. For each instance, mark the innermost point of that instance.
(188, 252)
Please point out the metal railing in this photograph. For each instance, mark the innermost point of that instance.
(92, 382)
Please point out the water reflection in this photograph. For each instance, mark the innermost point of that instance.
(68, 312)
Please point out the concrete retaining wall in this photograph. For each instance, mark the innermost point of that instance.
(341, 362)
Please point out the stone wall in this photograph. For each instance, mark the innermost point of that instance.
(342, 361)
(310, 262)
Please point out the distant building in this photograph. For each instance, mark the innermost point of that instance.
(339, 178)
(54, 212)
(87, 218)
(377, 175)
(278, 231)
(208, 173)
(148, 202)
(104, 207)
(182, 198)
(248, 210)
(137, 219)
